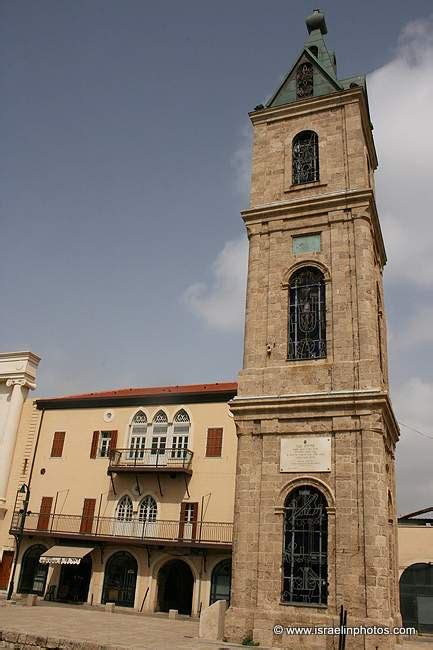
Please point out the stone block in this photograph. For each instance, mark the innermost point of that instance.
(31, 600)
(173, 614)
(109, 607)
(212, 621)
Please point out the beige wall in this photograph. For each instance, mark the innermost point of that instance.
(415, 545)
(76, 476)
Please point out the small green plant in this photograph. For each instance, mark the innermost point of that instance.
(248, 640)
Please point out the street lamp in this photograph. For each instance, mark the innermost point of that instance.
(22, 513)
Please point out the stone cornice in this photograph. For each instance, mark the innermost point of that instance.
(319, 205)
(318, 405)
(324, 103)
(19, 367)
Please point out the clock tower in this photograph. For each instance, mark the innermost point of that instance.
(315, 522)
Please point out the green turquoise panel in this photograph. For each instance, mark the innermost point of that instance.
(306, 244)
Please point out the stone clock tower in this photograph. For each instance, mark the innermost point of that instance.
(315, 524)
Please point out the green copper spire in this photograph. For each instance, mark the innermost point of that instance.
(314, 73)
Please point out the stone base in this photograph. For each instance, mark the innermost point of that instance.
(259, 625)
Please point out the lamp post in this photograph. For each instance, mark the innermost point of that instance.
(22, 513)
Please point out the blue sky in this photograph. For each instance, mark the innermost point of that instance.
(125, 157)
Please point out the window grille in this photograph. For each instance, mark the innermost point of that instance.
(305, 549)
(124, 509)
(304, 80)
(307, 315)
(305, 158)
(148, 509)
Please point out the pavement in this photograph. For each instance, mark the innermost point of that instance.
(121, 629)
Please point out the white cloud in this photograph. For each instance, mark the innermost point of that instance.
(401, 100)
(222, 303)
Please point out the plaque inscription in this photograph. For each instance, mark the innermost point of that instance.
(305, 454)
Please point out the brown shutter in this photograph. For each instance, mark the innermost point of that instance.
(44, 513)
(194, 520)
(58, 442)
(182, 520)
(214, 442)
(87, 516)
(113, 440)
(94, 447)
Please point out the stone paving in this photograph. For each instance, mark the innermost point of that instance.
(122, 630)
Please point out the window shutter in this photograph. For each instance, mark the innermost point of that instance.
(94, 447)
(87, 516)
(182, 520)
(44, 513)
(194, 520)
(58, 442)
(214, 442)
(113, 440)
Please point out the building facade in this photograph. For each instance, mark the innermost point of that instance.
(130, 498)
(315, 522)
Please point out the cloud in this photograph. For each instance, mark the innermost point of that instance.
(401, 97)
(221, 303)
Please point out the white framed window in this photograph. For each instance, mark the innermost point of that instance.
(124, 509)
(181, 428)
(159, 433)
(104, 444)
(137, 438)
(148, 509)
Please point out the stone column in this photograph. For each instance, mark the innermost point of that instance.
(20, 388)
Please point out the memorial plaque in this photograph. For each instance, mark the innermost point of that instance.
(305, 454)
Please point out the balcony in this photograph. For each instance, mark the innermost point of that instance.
(171, 460)
(200, 534)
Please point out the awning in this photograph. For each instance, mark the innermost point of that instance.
(64, 554)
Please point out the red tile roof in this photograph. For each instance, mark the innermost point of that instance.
(190, 389)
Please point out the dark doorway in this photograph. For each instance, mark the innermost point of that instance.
(74, 581)
(119, 580)
(416, 597)
(33, 575)
(175, 585)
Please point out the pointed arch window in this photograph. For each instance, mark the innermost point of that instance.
(305, 158)
(305, 547)
(307, 315)
(148, 509)
(137, 442)
(159, 433)
(124, 509)
(181, 427)
(304, 80)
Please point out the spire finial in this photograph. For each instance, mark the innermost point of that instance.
(316, 21)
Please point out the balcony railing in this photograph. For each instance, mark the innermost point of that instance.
(200, 533)
(169, 459)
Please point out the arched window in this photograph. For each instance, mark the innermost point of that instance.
(181, 426)
(305, 550)
(33, 575)
(305, 158)
(304, 80)
(159, 434)
(137, 442)
(221, 582)
(148, 510)
(119, 580)
(124, 509)
(307, 315)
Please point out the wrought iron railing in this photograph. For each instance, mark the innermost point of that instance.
(149, 458)
(159, 530)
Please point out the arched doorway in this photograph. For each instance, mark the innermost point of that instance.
(416, 597)
(175, 586)
(33, 575)
(221, 582)
(74, 581)
(119, 580)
